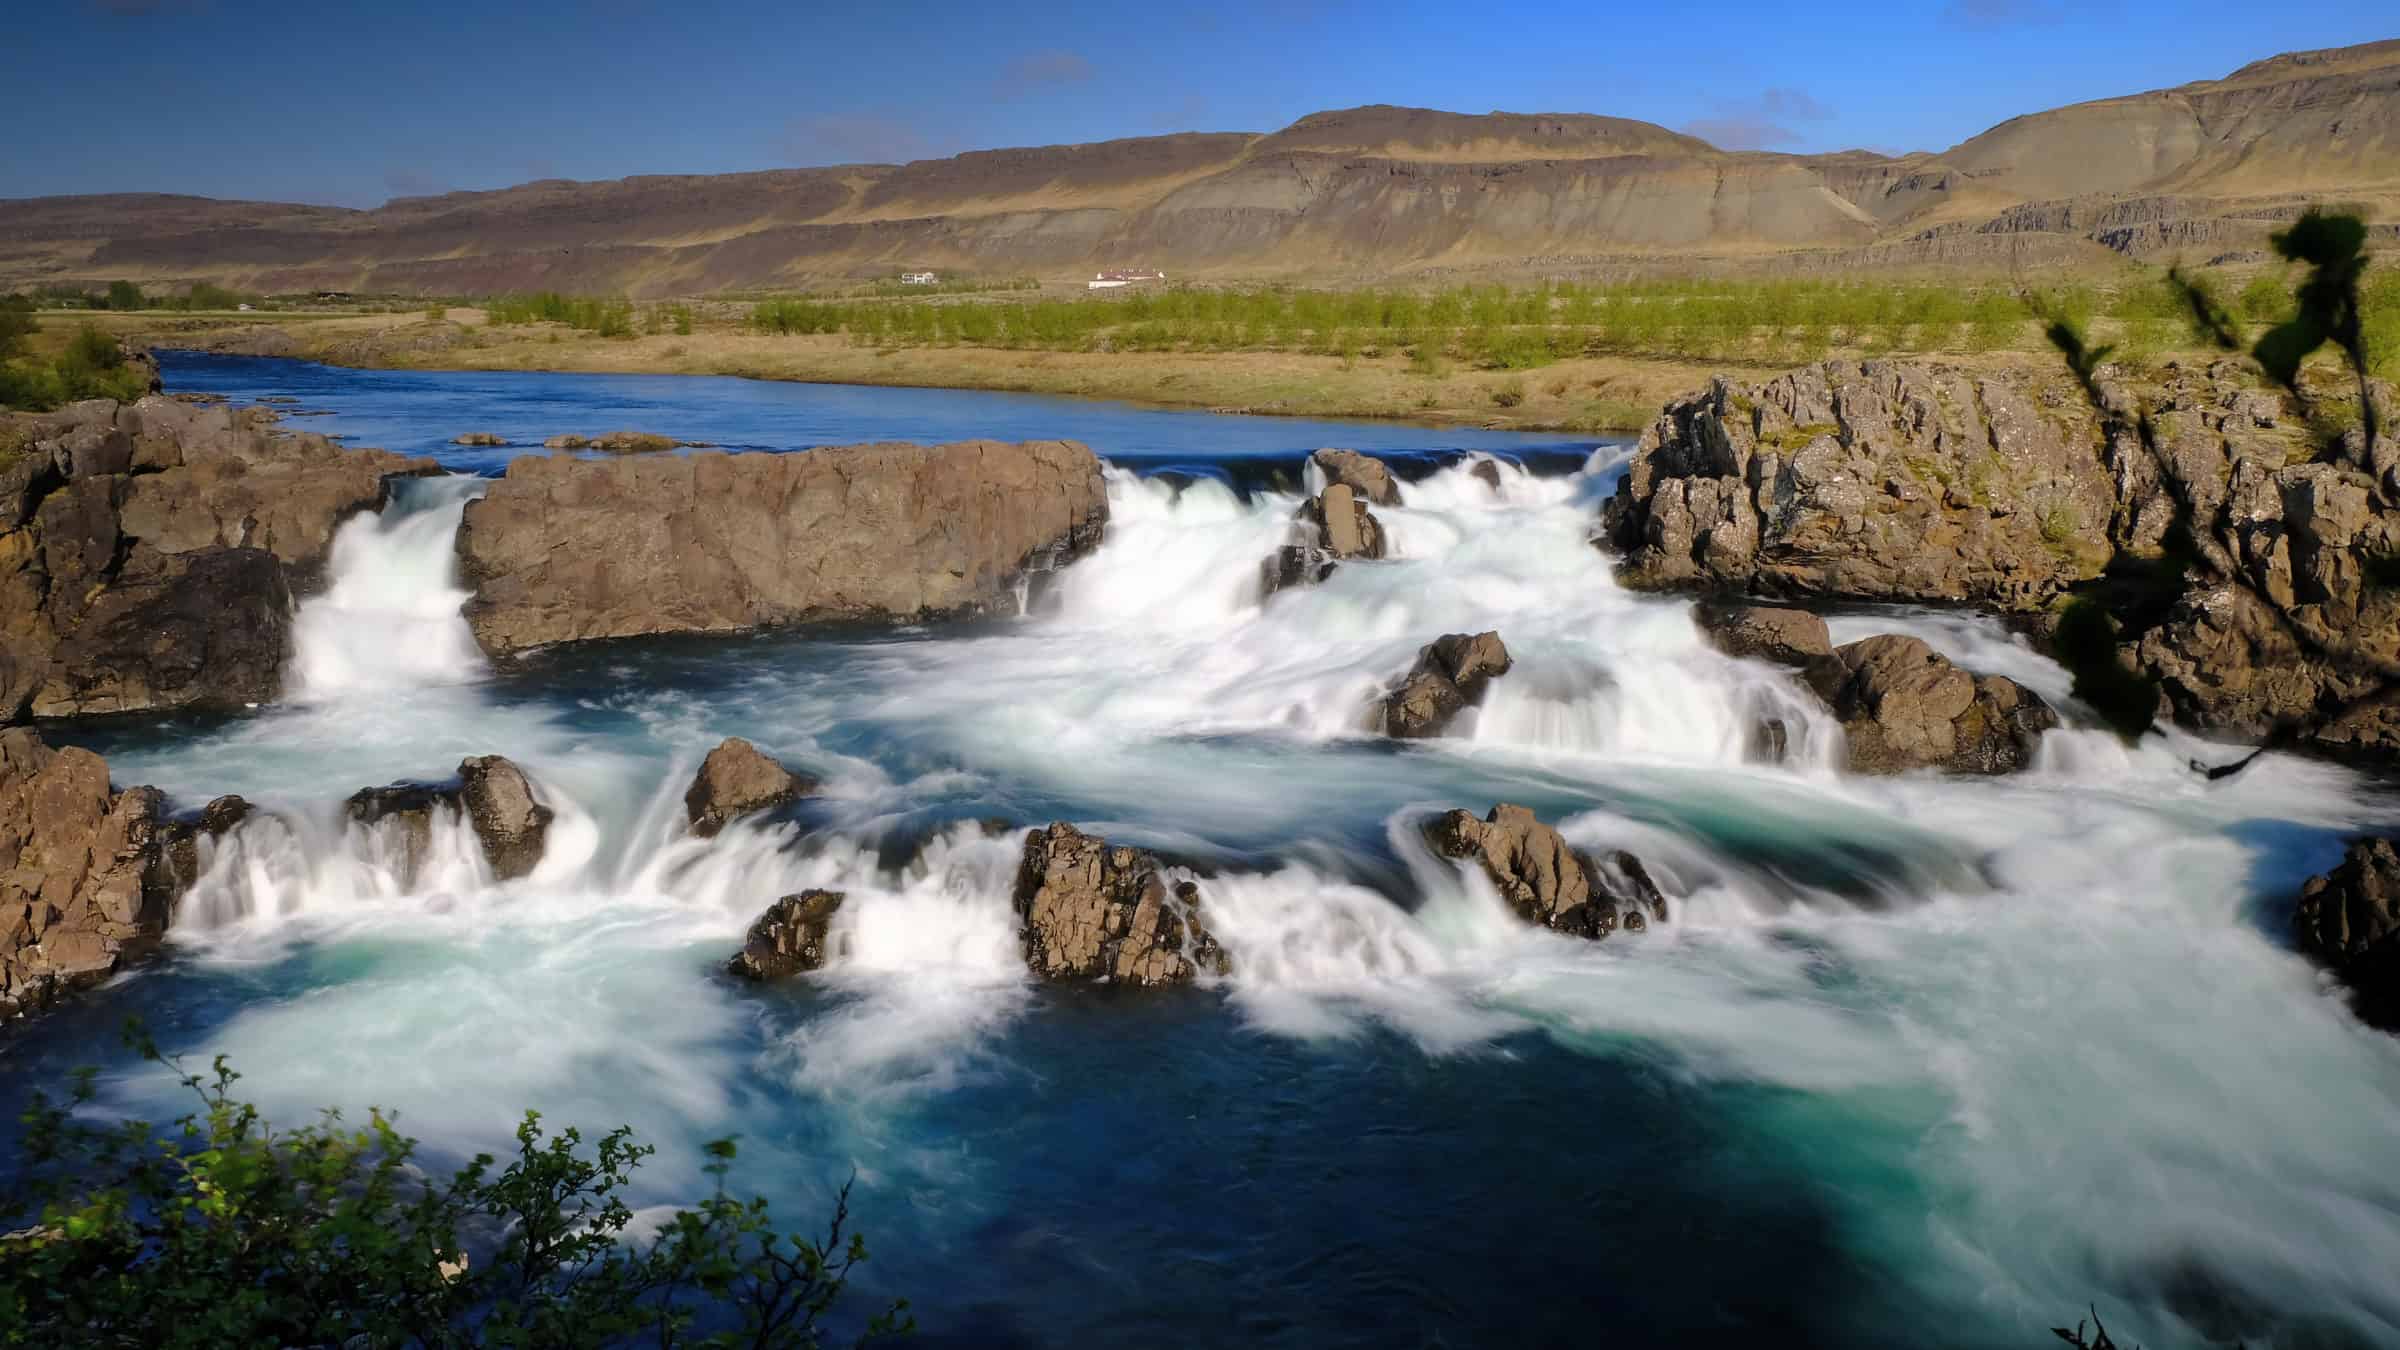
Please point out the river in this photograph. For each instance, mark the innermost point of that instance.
(1918, 1061)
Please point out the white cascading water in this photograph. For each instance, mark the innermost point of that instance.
(389, 618)
(2057, 969)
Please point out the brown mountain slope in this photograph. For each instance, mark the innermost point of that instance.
(1364, 192)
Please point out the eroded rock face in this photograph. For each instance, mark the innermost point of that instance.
(498, 801)
(1790, 637)
(789, 938)
(1905, 482)
(85, 885)
(1364, 475)
(1090, 911)
(736, 779)
(1886, 480)
(1544, 879)
(566, 549)
(1904, 706)
(2349, 921)
(1451, 675)
(150, 552)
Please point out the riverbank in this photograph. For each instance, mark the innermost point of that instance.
(1605, 394)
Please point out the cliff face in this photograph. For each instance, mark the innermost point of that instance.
(1360, 192)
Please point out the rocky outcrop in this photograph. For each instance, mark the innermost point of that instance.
(150, 552)
(1788, 637)
(1332, 527)
(2264, 613)
(1904, 706)
(789, 938)
(494, 796)
(2348, 920)
(480, 438)
(1886, 481)
(736, 779)
(1544, 879)
(1451, 675)
(565, 549)
(1091, 911)
(1364, 475)
(85, 884)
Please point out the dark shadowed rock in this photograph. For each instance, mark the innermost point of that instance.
(1365, 475)
(149, 552)
(565, 549)
(85, 884)
(1904, 706)
(789, 938)
(1546, 881)
(1791, 637)
(490, 792)
(209, 629)
(736, 779)
(1488, 473)
(2348, 920)
(1451, 674)
(1090, 911)
(185, 833)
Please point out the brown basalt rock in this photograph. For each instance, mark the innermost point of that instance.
(1887, 480)
(565, 549)
(484, 438)
(507, 815)
(1090, 911)
(1546, 881)
(1451, 675)
(1904, 706)
(1365, 475)
(2348, 920)
(1332, 527)
(150, 552)
(85, 885)
(494, 796)
(789, 939)
(736, 779)
(1790, 637)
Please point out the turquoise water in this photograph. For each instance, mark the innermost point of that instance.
(1918, 1061)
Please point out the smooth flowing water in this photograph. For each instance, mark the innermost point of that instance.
(1918, 1061)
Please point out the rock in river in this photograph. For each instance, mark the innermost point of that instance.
(736, 779)
(2349, 921)
(499, 802)
(1451, 675)
(1904, 706)
(1091, 911)
(789, 938)
(1544, 879)
(565, 549)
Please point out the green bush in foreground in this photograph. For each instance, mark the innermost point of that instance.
(221, 1230)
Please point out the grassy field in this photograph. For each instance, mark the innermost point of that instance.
(1562, 357)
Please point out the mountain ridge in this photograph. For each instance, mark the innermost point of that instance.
(1372, 192)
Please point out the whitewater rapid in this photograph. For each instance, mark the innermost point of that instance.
(2047, 1022)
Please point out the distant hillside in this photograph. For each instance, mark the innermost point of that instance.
(2205, 170)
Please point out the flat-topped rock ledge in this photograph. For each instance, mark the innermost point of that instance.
(566, 549)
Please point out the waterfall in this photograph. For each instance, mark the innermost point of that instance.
(389, 618)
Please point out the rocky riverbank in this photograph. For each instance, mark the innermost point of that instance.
(150, 552)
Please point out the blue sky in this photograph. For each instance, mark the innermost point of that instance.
(351, 103)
